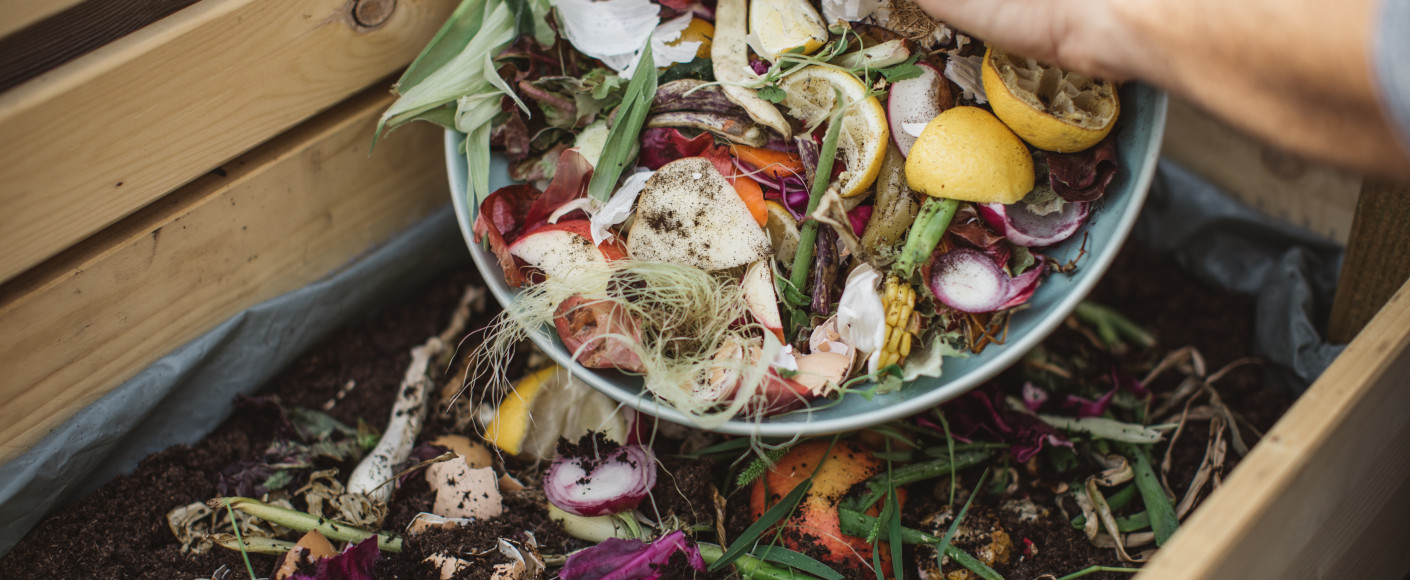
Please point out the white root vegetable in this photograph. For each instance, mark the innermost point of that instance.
(729, 53)
(373, 475)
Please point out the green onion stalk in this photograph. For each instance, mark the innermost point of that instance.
(931, 223)
(808, 236)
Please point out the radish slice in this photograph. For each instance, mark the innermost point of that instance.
(969, 281)
(912, 104)
(1025, 227)
(597, 477)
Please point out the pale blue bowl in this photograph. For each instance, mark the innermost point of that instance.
(1138, 138)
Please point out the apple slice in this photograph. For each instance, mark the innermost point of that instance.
(560, 249)
(689, 214)
(762, 298)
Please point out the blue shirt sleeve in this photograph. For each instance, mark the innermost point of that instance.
(1391, 62)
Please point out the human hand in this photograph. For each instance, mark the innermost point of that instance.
(1089, 36)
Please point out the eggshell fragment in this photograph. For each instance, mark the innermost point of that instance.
(463, 492)
(429, 521)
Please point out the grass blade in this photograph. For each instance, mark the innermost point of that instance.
(1164, 522)
(771, 516)
(622, 138)
(955, 524)
(801, 562)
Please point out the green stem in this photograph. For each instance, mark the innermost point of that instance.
(808, 236)
(235, 525)
(855, 523)
(1112, 326)
(914, 472)
(1095, 569)
(751, 568)
(934, 217)
(303, 522)
(1164, 522)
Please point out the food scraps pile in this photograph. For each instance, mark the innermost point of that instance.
(1081, 443)
(755, 204)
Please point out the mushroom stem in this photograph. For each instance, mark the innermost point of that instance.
(934, 217)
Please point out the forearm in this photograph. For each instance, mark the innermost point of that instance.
(1295, 73)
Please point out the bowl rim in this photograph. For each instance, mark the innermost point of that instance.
(790, 425)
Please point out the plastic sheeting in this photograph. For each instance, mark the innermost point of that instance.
(1291, 272)
(186, 394)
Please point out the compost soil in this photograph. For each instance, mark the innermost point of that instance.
(120, 531)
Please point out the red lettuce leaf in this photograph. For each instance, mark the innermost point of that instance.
(1084, 175)
(617, 559)
(355, 563)
(570, 181)
(662, 145)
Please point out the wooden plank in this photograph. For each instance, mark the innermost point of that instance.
(1317, 197)
(20, 14)
(74, 32)
(1377, 258)
(91, 142)
(1326, 494)
(267, 223)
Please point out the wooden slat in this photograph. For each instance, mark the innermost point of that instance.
(266, 223)
(19, 14)
(1326, 494)
(1317, 197)
(1377, 258)
(90, 142)
(74, 32)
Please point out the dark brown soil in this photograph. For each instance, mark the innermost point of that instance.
(120, 531)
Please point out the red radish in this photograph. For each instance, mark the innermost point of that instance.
(1022, 226)
(598, 476)
(970, 281)
(914, 102)
(759, 294)
(814, 528)
(559, 249)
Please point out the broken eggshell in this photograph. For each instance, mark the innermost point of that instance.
(464, 492)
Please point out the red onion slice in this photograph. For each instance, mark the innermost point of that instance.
(603, 483)
(913, 103)
(970, 281)
(1023, 227)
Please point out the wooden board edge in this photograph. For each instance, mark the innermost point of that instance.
(282, 216)
(20, 14)
(92, 141)
(1327, 492)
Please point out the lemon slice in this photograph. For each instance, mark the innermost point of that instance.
(783, 233)
(966, 154)
(861, 146)
(1049, 108)
(784, 25)
(546, 405)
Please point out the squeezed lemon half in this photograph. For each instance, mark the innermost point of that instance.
(1049, 108)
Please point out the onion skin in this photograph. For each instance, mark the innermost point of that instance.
(814, 528)
(608, 483)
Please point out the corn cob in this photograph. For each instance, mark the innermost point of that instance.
(899, 300)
